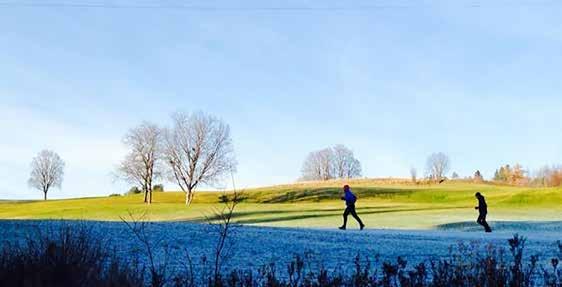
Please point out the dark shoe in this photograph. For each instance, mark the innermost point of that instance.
(489, 230)
(362, 226)
(342, 227)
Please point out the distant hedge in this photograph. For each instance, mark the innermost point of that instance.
(158, 188)
(133, 190)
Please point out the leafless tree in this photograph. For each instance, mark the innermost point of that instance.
(345, 163)
(199, 150)
(437, 165)
(142, 164)
(318, 165)
(414, 174)
(311, 168)
(541, 176)
(330, 163)
(47, 170)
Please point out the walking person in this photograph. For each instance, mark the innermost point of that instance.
(482, 212)
(350, 200)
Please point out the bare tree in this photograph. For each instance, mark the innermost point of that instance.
(141, 164)
(312, 168)
(414, 174)
(330, 163)
(437, 165)
(345, 163)
(199, 151)
(548, 176)
(47, 170)
(318, 165)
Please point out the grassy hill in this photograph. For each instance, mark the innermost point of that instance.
(382, 204)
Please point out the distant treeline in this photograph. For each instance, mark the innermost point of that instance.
(548, 176)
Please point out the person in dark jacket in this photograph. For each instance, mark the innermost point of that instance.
(483, 211)
(350, 200)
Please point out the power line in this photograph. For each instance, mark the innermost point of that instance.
(381, 6)
(132, 5)
(197, 8)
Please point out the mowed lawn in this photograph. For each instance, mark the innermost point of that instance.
(382, 204)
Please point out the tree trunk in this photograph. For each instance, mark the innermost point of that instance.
(188, 197)
(145, 195)
(44, 195)
(149, 188)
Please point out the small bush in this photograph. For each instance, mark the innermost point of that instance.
(133, 190)
(114, 195)
(158, 188)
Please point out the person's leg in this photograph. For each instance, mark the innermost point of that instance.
(485, 224)
(479, 220)
(354, 214)
(345, 214)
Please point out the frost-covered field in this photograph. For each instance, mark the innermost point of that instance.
(255, 246)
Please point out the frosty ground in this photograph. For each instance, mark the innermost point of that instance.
(254, 246)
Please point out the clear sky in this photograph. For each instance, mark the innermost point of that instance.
(392, 80)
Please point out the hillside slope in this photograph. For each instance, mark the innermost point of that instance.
(382, 204)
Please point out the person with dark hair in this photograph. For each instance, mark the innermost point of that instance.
(350, 200)
(483, 211)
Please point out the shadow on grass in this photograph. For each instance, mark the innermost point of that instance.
(316, 195)
(333, 214)
(512, 226)
(240, 214)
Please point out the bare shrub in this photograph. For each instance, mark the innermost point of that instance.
(69, 256)
(222, 222)
(76, 257)
(138, 227)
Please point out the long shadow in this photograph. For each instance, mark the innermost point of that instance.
(238, 214)
(23, 202)
(504, 225)
(306, 216)
(331, 193)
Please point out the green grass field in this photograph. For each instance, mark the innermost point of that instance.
(381, 204)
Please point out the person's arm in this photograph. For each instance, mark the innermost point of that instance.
(481, 204)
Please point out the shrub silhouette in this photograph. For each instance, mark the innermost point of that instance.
(70, 256)
(73, 256)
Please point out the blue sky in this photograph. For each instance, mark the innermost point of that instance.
(394, 84)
